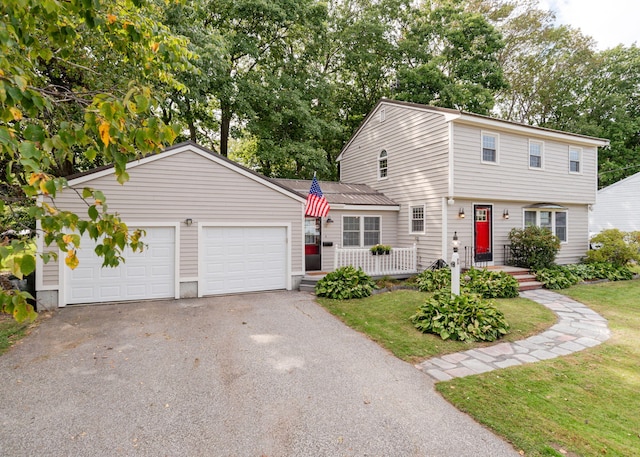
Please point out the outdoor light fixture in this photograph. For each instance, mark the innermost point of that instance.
(455, 243)
(188, 222)
(451, 201)
(461, 213)
(505, 214)
(329, 220)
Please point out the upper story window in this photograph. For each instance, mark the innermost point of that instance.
(383, 115)
(554, 220)
(417, 222)
(360, 231)
(489, 147)
(382, 165)
(535, 154)
(575, 159)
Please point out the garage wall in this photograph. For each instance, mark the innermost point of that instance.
(187, 184)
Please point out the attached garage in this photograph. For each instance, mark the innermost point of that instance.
(143, 275)
(243, 259)
(213, 227)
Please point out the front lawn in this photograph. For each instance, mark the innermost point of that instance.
(585, 404)
(385, 319)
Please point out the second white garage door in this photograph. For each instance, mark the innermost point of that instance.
(243, 259)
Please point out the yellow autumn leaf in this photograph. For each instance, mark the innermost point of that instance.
(16, 113)
(98, 202)
(111, 18)
(104, 133)
(1, 72)
(67, 239)
(43, 187)
(34, 178)
(71, 260)
(155, 46)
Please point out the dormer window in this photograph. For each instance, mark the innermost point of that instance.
(382, 165)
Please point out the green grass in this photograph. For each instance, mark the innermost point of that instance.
(385, 319)
(10, 332)
(585, 404)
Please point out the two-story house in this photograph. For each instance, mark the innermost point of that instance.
(411, 177)
(449, 171)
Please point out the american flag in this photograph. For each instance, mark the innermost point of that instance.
(317, 205)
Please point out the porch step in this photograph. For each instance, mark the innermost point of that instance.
(526, 280)
(308, 282)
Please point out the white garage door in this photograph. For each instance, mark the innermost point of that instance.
(243, 259)
(144, 275)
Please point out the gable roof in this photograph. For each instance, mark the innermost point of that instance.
(80, 178)
(459, 116)
(339, 193)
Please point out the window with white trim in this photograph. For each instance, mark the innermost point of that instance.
(554, 220)
(575, 159)
(535, 154)
(489, 148)
(360, 231)
(382, 165)
(417, 222)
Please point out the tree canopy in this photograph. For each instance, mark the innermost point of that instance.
(278, 85)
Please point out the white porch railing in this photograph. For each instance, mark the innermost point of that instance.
(399, 261)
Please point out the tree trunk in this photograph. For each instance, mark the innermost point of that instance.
(225, 123)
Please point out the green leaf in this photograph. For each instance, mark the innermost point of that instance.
(93, 212)
(28, 264)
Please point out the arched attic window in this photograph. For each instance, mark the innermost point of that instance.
(382, 165)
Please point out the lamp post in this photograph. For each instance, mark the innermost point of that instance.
(455, 266)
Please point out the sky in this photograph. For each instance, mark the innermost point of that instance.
(609, 22)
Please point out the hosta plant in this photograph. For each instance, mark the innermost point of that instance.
(465, 317)
(345, 283)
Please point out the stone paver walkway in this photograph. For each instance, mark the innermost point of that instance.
(578, 328)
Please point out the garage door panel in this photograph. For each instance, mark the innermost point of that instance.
(243, 259)
(143, 275)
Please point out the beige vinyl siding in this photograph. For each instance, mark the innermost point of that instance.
(333, 232)
(188, 185)
(417, 144)
(511, 177)
(50, 274)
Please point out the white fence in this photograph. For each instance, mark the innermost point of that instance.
(399, 261)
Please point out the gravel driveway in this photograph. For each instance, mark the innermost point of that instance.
(269, 374)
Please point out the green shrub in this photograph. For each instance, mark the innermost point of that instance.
(601, 270)
(490, 284)
(465, 317)
(433, 280)
(562, 277)
(615, 247)
(533, 247)
(557, 277)
(486, 283)
(345, 283)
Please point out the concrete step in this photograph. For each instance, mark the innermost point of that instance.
(307, 287)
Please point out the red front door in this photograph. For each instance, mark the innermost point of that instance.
(483, 233)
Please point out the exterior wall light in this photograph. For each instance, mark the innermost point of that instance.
(329, 220)
(188, 222)
(461, 213)
(505, 214)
